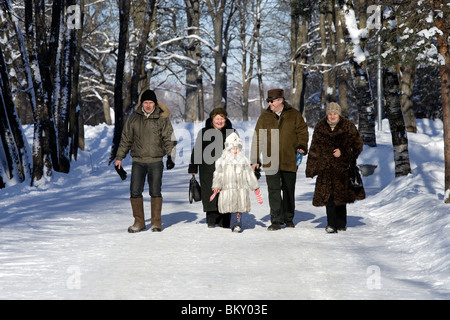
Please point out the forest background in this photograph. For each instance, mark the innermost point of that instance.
(65, 64)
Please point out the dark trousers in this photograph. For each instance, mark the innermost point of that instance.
(281, 189)
(153, 171)
(336, 215)
(214, 217)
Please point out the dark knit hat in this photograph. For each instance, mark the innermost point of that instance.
(148, 95)
(218, 111)
(275, 94)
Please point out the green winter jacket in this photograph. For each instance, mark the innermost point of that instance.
(292, 133)
(148, 139)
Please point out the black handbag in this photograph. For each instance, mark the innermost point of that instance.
(355, 181)
(195, 193)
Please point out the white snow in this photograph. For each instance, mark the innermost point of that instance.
(68, 238)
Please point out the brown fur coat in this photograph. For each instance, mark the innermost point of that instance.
(332, 172)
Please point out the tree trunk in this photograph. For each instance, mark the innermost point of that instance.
(342, 74)
(216, 12)
(74, 116)
(12, 139)
(138, 68)
(259, 62)
(193, 51)
(407, 82)
(391, 88)
(363, 92)
(442, 23)
(325, 53)
(42, 164)
(124, 9)
(299, 49)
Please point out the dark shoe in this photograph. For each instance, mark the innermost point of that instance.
(274, 226)
(330, 229)
(211, 225)
(290, 224)
(155, 229)
(342, 229)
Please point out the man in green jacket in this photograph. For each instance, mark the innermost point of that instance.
(148, 135)
(280, 133)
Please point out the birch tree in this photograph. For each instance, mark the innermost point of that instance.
(14, 163)
(358, 67)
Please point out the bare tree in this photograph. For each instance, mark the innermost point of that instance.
(194, 81)
(13, 148)
(124, 17)
(396, 122)
(301, 12)
(138, 77)
(358, 67)
(221, 25)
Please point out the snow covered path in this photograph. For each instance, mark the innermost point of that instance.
(69, 241)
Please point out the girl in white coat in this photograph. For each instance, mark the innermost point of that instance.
(233, 177)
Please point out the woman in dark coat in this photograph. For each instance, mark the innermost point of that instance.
(208, 148)
(335, 146)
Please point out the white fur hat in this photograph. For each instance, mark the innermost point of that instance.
(233, 140)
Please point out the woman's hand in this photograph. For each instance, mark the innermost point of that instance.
(336, 153)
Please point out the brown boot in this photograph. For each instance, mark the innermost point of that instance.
(137, 204)
(156, 206)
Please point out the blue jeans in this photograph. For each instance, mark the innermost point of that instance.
(139, 171)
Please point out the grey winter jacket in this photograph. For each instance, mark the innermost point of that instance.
(148, 139)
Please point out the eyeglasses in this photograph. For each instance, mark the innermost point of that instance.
(271, 100)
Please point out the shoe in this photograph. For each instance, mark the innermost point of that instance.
(330, 229)
(274, 226)
(211, 225)
(342, 229)
(236, 229)
(156, 229)
(290, 224)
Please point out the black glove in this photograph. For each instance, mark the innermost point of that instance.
(169, 163)
(258, 172)
(122, 173)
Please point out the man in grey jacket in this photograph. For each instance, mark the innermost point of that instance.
(148, 135)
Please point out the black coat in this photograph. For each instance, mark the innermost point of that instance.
(208, 147)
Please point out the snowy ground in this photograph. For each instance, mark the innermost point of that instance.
(68, 239)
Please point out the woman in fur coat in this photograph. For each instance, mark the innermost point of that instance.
(335, 145)
(232, 178)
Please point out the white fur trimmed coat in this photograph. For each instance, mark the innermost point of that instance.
(234, 176)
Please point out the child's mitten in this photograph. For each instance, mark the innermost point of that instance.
(258, 196)
(213, 195)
